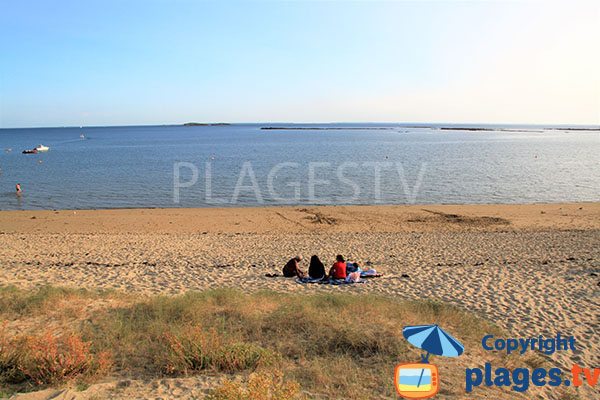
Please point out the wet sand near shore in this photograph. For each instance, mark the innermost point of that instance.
(317, 219)
(532, 269)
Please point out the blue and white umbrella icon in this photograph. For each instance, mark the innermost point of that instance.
(434, 340)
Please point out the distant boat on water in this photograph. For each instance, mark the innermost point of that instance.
(38, 149)
(81, 136)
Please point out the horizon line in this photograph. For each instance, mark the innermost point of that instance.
(419, 124)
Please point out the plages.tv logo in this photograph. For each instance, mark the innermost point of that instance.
(421, 380)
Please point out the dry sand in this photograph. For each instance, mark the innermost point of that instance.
(532, 269)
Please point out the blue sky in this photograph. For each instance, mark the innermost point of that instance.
(72, 63)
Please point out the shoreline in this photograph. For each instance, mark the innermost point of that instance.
(307, 219)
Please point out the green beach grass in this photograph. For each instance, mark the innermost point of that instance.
(320, 344)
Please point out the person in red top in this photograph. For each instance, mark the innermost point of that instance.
(338, 270)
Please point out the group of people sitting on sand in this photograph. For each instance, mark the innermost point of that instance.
(316, 270)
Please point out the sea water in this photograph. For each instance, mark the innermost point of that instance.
(330, 164)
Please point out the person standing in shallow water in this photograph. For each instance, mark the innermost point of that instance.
(291, 269)
(18, 188)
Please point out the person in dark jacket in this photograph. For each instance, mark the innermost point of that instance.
(291, 269)
(316, 270)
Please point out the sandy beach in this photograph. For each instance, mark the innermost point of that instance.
(532, 269)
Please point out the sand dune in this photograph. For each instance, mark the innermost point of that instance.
(174, 388)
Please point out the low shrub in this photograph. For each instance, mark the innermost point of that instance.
(196, 350)
(260, 386)
(10, 359)
(50, 359)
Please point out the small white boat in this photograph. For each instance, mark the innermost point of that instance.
(41, 147)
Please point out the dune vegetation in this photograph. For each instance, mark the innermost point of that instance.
(265, 344)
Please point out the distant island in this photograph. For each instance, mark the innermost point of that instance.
(201, 124)
(304, 128)
(383, 128)
(513, 129)
(445, 128)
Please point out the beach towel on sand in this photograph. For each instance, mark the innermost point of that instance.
(375, 275)
(370, 274)
(308, 279)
